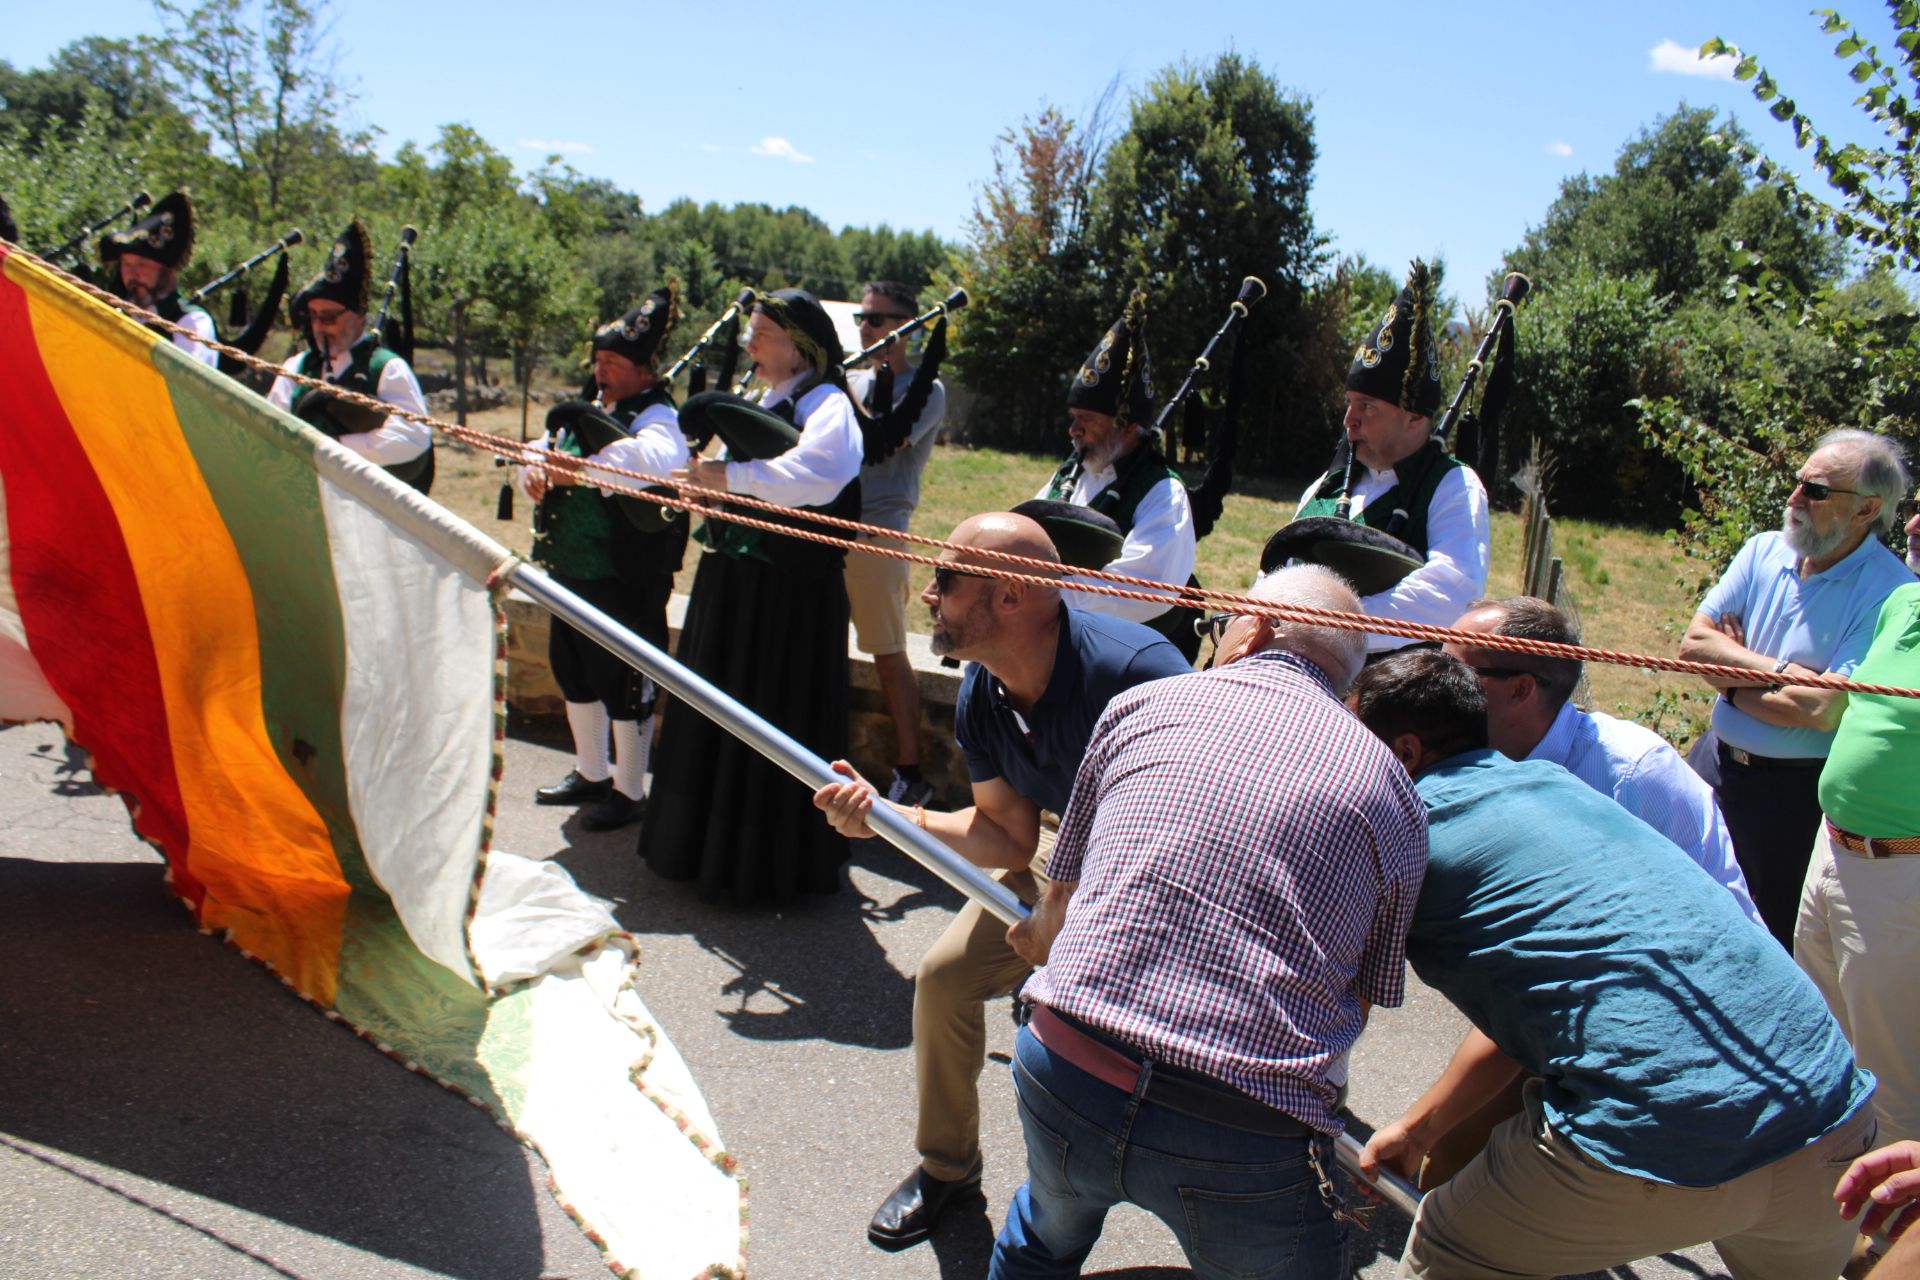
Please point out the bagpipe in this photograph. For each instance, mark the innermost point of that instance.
(697, 380)
(884, 425)
(86, 233)
(1376, 559)
(252, 328)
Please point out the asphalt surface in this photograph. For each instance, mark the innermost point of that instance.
(171, 1111)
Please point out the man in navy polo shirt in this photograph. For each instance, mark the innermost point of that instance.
(1042, 674)
(1803, 600)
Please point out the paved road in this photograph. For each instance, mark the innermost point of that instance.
(171, 1111)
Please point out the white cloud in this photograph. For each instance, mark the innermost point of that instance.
(1560, 147)
(536, 144)
(1677, 59)
(781, 149)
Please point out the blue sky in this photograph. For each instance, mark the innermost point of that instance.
(1439, 131)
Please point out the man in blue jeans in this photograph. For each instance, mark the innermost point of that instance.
(1223, 911)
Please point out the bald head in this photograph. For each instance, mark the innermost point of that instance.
(1337, 652)
(984, 618)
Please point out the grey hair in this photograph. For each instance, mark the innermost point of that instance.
(1339, 653)
(1879, 468)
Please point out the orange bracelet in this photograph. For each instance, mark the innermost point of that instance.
(920, 816)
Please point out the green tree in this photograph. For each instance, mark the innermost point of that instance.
(1207, 184)
(1864, 331)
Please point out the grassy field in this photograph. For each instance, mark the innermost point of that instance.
(1625, 580)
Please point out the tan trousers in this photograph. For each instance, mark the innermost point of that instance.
(970, 965)
(1532, 1205)
(1858, 938)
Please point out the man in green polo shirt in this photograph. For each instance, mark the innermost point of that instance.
(1858, 935)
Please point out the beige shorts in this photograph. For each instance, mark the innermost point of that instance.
(877, 589)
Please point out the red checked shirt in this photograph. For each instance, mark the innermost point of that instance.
(1248, 856)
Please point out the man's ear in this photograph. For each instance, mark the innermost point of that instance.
(1409, 751)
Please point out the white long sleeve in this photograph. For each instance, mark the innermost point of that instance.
(656, 446)
(824, 461)
(1160, 546)
(202, 325)
(1459, 548)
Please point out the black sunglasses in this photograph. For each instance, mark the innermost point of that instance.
(943, 578)
(878, 317)
(1213, 626)
(1499, 673)
(1817, 492)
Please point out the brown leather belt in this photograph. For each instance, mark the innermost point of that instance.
(1871, 846)
(1177, 1091)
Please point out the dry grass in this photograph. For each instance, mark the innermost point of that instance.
(1625, 580)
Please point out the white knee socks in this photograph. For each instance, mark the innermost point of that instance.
(632, 743)
(588, 720)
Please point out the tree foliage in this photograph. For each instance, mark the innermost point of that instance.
(1857, 343)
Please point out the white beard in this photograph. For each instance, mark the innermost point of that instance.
(1797, 529)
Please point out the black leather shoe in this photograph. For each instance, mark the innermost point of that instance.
(574, 789)
(909, 1215)
(612, 813)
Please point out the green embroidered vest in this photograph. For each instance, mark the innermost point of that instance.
(1401, 510)
(580, 533)
(1134, 477)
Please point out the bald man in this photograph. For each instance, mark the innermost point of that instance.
(1042, 674)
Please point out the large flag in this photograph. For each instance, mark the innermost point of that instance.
(290, 666)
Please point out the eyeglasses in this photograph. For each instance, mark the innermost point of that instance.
(943, 578)
(1817, 492)
(1213, 626)
(325, 317)
(1499, 673)
(877, 317)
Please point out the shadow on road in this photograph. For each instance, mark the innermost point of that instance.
(136, 1043)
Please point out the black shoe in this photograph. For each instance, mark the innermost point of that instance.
(612, 813)
(574, 789)
(909, 1215)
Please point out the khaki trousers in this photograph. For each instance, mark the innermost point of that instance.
(970, 965)
(1532, 1205)
(1858, 938)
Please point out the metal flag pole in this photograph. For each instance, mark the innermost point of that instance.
(895, 828)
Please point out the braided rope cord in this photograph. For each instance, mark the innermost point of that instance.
(697, 500)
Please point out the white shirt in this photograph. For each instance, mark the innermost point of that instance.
(394, 441)
(1160, 546)
(1642, 771)
(1459, 549)
(656, 448)
(202, 325)
(825, 460)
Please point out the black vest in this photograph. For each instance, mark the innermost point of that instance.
(365, 362)
(794, 555)
(1401, 510)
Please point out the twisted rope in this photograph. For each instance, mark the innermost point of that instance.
(697, 500)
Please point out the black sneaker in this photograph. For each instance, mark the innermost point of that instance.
(574, 789)
(909, 793)
(614, 812)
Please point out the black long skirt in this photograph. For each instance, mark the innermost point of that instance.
(720, 812)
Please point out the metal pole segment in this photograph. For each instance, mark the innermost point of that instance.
(896, 829)
(722, 708)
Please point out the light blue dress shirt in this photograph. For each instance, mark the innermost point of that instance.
(1825, 622)
(1638, 768)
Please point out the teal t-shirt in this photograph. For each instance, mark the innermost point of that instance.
(1869, 785)
(1676, 1041)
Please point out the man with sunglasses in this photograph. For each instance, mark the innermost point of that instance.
(877, 586)
(1800, 601)
(1041, 674)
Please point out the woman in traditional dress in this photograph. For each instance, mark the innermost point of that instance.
(767, 622)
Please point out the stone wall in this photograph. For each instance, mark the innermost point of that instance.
(532, 692)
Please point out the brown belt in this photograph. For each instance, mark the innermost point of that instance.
(1871, 846)
(1179, 1092)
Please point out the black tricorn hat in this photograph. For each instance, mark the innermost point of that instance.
(1372, 560)
(595, 429)
(805, 321)
(749, 432)
(1083, 537)
(1397, 361)
(165, 235)
(1117, 376)
(348, 276)
(638, 334)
